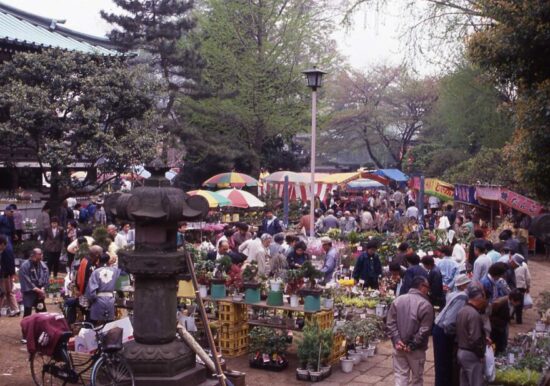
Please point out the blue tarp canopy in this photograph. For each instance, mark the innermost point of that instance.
(392, 174)
(363, 184)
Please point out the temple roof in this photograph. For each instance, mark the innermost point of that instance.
(20, 28)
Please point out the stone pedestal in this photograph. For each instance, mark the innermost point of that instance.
(156, 357)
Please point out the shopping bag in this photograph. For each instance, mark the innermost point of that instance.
(527, 301)
(490, 370)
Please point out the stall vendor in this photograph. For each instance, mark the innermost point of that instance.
(368, 267)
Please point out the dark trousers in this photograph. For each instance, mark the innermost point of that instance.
(39, 306)
(500, 338)
(518, 310)
(52, 259)
(446, 371)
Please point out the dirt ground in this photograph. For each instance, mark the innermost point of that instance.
(14, 366)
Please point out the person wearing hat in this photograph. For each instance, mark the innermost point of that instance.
(368, 267)
(330, 258)
(444, 334)
(523, 282)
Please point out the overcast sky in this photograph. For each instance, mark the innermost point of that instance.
(372, 40)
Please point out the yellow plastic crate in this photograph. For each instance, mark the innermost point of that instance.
(234, 338)
(338, 348)
(232, 314)
(324, 319)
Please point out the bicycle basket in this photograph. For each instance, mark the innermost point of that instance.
(112, 340)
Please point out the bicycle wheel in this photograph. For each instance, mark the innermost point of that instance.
(39, 376)
(112, 370)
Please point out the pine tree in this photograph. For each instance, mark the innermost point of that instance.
(160, 29)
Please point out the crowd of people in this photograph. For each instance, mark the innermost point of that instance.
(464, 296)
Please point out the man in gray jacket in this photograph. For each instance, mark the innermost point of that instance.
(409, 324)
(472, 338)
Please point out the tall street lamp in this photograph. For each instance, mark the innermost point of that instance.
(314, 79)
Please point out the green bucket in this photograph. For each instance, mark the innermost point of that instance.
(275, 298)
(252, 295)
(217, 291)
(312, 303)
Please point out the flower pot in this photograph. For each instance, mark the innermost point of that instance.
(364, 354)
(203, 291)
(329, 303)
(275, 286)
(370, 350)
(355, 356)
(217, 291)
(326, 370)
(302, 374)
(540, 326)
(294, 301)
(380, 310)
(275, 298)
(315, 376)
(252, 295)
(346, 365)
(371, 311)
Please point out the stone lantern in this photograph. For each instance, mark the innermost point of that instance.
(155, 355)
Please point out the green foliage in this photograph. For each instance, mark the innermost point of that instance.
(101, 237)
(310, 273)
(515, 49)
(66, 108)
(517, 377)
(315, 346)
(253, 93)
(294, 279)
(265, 340)
(488, 167)
(250, 272)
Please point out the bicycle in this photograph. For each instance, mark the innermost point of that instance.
(108, 366)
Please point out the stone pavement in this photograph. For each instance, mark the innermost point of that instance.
(378, 370)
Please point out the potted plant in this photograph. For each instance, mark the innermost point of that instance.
(370, 329)
(348, 329)
(251, 284)
(317, 364)
(311, 292)
(294, 282)
(203, 271)
(329, 294)
(234, 282)
(267, 348)
(275, 295)
(217, 289)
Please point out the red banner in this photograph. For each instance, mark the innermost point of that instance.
(520, 203)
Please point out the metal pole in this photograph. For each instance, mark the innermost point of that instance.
(313, 153)
(421, 202)
(204, 317)
(285, 202)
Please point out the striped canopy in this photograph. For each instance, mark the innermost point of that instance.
(241, 199)
(293, 178)
(214, 199)
(231, 179)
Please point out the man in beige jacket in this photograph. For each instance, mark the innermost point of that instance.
(409, 324)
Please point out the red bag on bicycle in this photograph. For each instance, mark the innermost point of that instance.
(43, 331)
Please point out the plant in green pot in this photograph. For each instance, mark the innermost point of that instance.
(223, 265)
(251, 284)
(311, 292)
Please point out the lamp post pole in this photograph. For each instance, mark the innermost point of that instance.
(313, 153)
(314, 79)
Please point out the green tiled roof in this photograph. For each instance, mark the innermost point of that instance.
(18, 27)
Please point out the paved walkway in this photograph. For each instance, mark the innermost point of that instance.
(378, 370)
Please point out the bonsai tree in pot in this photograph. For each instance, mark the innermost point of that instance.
(294, 282)
(203, 270)
(370, 329)
(311, 292)
(267, 348)
(350, 330)
(317, 363)
(251, 283)
(305, 349)
(235, 282)
(219, 278)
